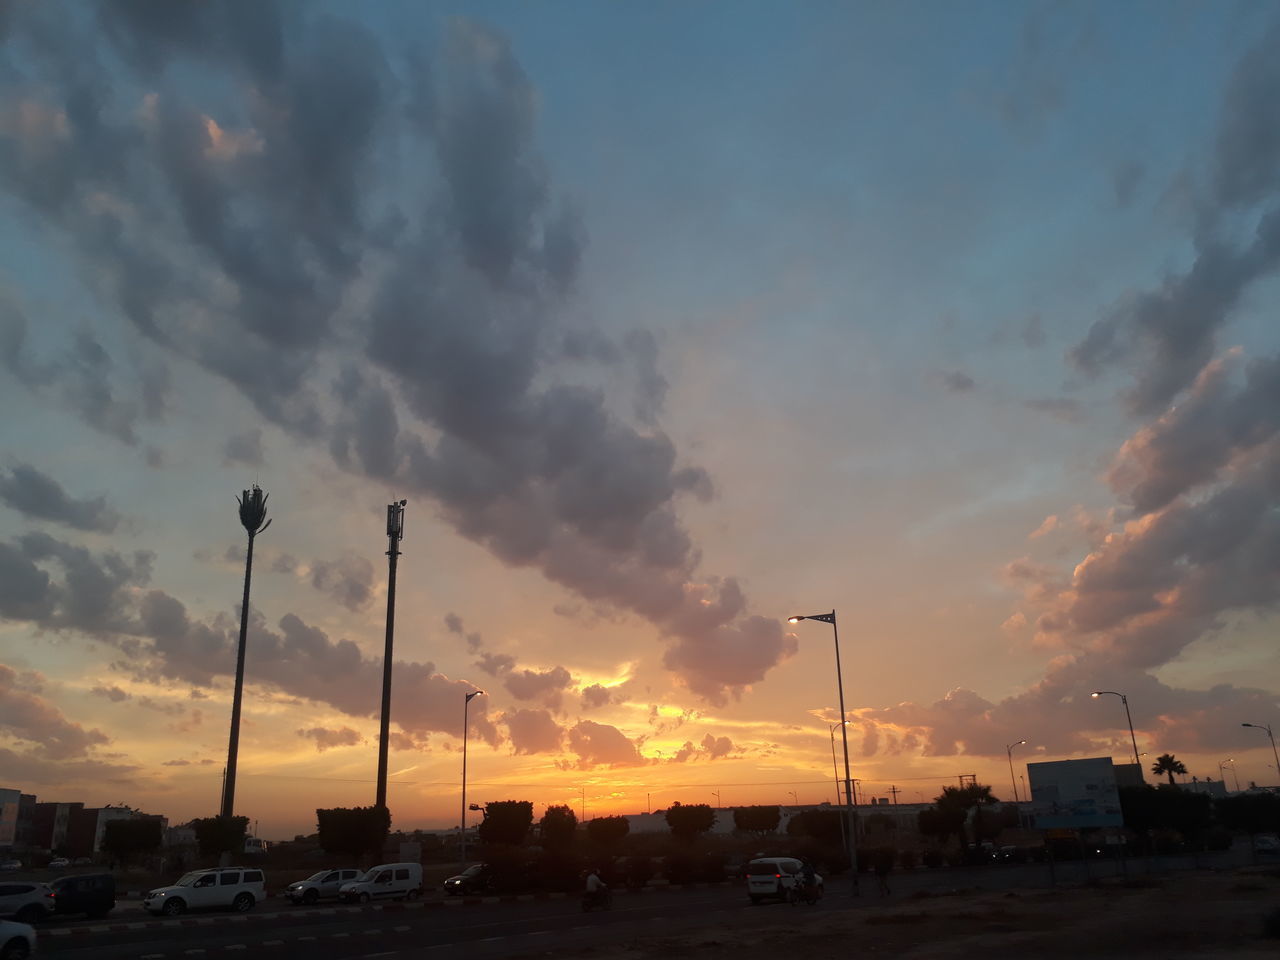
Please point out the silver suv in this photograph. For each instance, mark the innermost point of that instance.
(320, 886)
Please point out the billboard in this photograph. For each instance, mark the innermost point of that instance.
(1074, 794)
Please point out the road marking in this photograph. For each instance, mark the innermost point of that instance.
(372, 933)
(337, 936)
(306, 938)
(385, 953)
(236, 946)
(539, 933)
(491, 939)
(273, 943)
(152, 956)
(194, 953)
(400, 929)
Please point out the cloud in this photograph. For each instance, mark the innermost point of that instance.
(244, 448)
(348, 580)
(711, 748)
(1060, 408)
(38, 495)
(723, 662)
(326, 739)
(595, 696)
(239, 260)
(495, 664)
(112, 693)
(599, 744)
(533, 731)
(27, 717)
(1167, 336)
(545, 685)
(957, 382)
(453, 623)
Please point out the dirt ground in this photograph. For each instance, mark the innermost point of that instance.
(1196, 915)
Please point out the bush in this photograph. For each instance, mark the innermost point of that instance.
(509, 868)
(217, 835)
(907, 859)
(559, 872)
(681, 868)
(932, 858)
(638, 870)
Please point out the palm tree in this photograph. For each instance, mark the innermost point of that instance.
(1168, 763)
(959, 800)
(253, 511)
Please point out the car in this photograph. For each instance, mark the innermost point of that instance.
(59, 863)
(475, 879)
(1267, 843)
(93, 894)
(17, 940)
(398, 881)
(324, 885)
(82, 862)
(776, 878)
(26, 901)
(228, 888)
(10, 864)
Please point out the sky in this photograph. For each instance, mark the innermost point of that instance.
(668, 321)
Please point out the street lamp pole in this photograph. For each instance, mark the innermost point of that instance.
(850, 847)
(1009, 750)
(1263, 726)
(831, 729)
(1129, 717)
(462, 824)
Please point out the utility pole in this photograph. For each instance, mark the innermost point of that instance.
(395, 533)
(895, 791)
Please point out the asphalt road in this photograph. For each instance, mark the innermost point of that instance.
(501, 929)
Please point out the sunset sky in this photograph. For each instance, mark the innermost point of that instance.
(669, 320)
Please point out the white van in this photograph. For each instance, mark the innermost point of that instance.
(390, 881)
(776, 878)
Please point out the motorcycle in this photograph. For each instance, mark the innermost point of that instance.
(602, 899)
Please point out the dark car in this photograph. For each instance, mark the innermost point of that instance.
(90, 893)
(475, 879)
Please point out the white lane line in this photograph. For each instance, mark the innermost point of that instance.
(273, 943)
(193, 953)
(338, 936)
(236, 946)
(538, 933)
(385, 953)
(372, 933)
(306, 938)
(491, 939)
(400, 929)
(152, 956)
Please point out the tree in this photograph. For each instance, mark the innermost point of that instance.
(1169, 764)
(608, 832)
(557, 827)
(760, 820)
(686, 822)
(820, 825)
(253, 511)
(215, 835)
(353, 831)
(942, 822)
(1251, 813)
(506, 822)
(125, 839)
(956, 802)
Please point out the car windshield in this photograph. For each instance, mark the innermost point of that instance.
(762, 868)
(472, 870)
(319, 876)
(188, 879)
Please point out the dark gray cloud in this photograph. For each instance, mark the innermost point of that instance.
(595, 696)
(1167, 335)
(544, 685)
(244, 448)
(1125, 180)
(251, 192)
(453, 623)
(1060, 408)
(603, 745)
(710, 748)
(957, 382)
(496, 664)
(533, 731)
(38, 495)
(326, 739)
(348, 580)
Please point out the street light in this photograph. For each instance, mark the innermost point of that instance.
(849, 846)
(1263, 726)
(831, 729)
(1009, 750)
(462, 826)
(1125, 700)
(395, 533)
(1223, 776)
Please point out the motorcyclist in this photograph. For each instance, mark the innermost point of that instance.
(596, 889)
(808, 878)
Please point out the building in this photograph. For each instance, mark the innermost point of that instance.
(50, 823)
(10, 802)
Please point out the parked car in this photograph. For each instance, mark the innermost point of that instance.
(26, 901)
(82, 862)
(324, 885)
(59, 863)
(229, 888)
(93, 894)
(777, 878)
(1267, 843)
(388, 881)
(475, 879)
(17, 940)
(10, 864)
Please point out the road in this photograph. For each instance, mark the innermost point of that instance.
(492, 929)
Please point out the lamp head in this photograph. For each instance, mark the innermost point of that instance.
(1022, 741)
(1246, 724)
(1096, 694)
(798, 619)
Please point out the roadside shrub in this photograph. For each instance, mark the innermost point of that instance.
(1271, 924)
(932, 858)
(907, 859)
(710, 868)
(509, 868)
(638, 871)
(559, 871)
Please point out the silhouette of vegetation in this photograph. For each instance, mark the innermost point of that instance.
(215, 835)
(758, 821)
(1147, 808)
(506, 822)
(687, 822)
(820, 825)
(353, 831)
(124, 840)
(608, 832)
(557, 828)
(1168, 764)
(1251, 813)
(954, 804)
